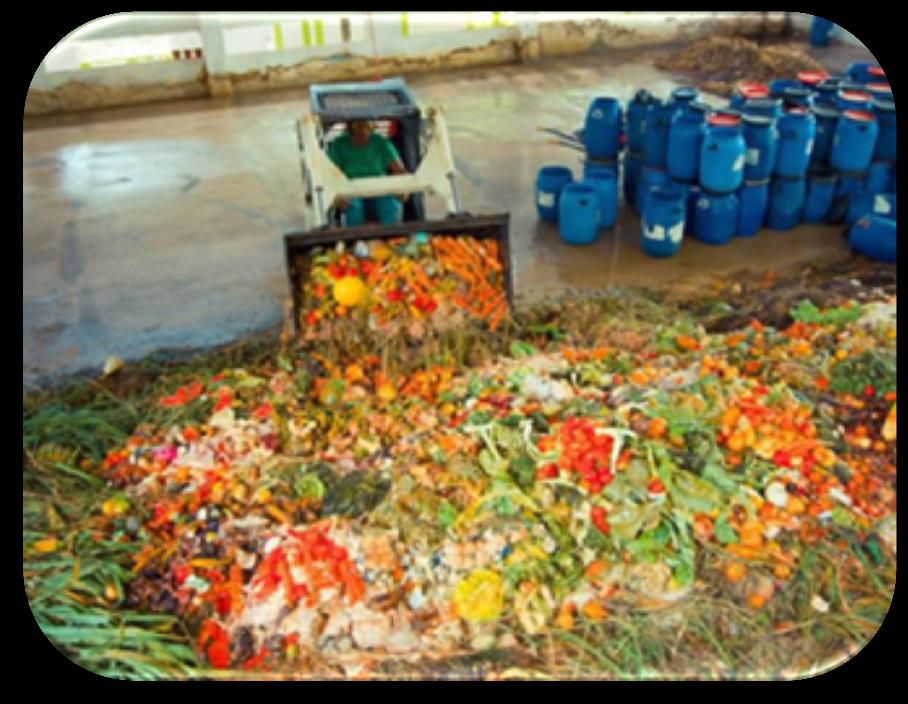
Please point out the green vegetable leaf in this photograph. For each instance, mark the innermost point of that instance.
(523, 470)
(521, 349)
(447, 514)
(723, 532)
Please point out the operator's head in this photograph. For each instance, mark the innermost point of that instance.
(360, 130)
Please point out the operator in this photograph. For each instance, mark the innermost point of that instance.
(360, 153)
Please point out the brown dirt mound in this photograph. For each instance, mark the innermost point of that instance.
(719, 62)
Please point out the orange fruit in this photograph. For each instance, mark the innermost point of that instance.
(656, 428)
(756, 601)
(349, 291)
(782, 571)
(735, 572)
(594, 611)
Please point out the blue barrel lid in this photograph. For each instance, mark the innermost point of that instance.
(763, 104)
(667, 192)
(556, 170)
(884, 105)
(698, 106)
(643, 96)
(580, 188)
(827, 112)
(795, 91)
(757, 120)
(685, 93)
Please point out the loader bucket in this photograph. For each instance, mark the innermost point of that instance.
(299, 245)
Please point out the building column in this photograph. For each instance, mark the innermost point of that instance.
(214, 51)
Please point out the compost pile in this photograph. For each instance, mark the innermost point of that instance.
(718, 63)
(339, 517)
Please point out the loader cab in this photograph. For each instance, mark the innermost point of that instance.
(387, 103)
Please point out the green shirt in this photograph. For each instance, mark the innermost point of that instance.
(371, 159)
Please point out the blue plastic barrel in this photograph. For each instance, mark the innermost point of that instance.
(854, 141)
(693, 197)
(655, 133)
(722, 155)
(819, 31)
(578, 214)
(684, 96)
(854, 100)
(885, 142)
(866, 203)
(636, 117)
(685, 138)
(826, 117)
(767, 107)
(778, 86)
(797, 97)
(786, 202)
(716, 217)
(549, 182)
(761, 139)
(864, 72)
(821, 186)
(662, 222)
(879, 175)
(827, 92)
(599, 164)
(874, 236)
(649, 177)
(602, 129)
(605, 181)
(879, 91)
(851, 182)
(753, 198)
(633, 162)
(797, 130)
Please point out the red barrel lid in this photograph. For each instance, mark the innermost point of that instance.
(752, 89)
(879, 87)
(724, 120)
(876, 71)
(860, 115)
(812, 77)
(854, 95)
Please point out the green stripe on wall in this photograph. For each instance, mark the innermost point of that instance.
(307, 34)
(319, 33)
(404, 24)
(278, 37)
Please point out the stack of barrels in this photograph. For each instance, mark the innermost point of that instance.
(581, 209)
(812, 149)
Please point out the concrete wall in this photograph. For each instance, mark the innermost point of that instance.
(246, 52)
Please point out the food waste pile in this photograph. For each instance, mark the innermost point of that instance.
(329, 515)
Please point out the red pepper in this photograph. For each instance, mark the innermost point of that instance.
(782, 458)
(549, 471)
(597, 516)
(655, 486)
(394, 296)
(869, 391)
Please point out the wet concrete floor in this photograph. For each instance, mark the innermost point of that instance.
(160, 226)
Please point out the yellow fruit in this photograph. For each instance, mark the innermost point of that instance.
(380, 251)
(387, 392)
(111, 593)
(349, 291)
(263, 496)
(46, 545)
(479, 597)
